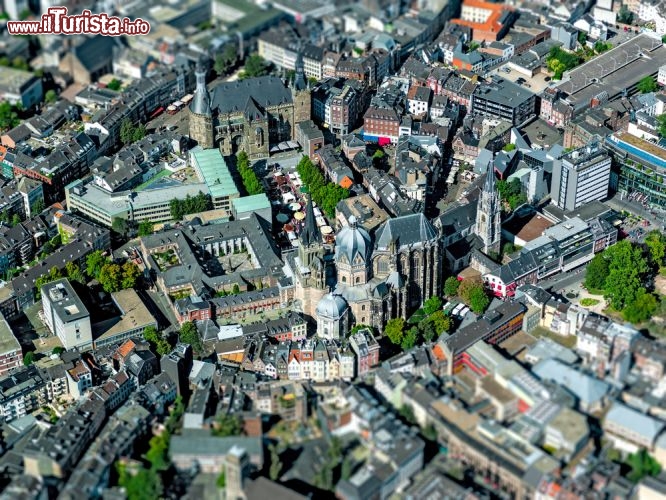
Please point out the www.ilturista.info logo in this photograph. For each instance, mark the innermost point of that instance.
(57, 22)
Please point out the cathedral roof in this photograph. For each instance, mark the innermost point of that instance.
(331, 306)
(406, 230)
(352, 241)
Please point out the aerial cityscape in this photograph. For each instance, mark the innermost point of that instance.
(333, 249)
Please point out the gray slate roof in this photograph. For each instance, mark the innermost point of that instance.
(407, 230)
(265, 91)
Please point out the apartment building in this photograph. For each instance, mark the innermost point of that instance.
(582, 176)
(66, 315)
(11, 354)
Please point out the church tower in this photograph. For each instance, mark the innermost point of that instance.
(311, 248)
(201, 115)
(300, 94)
(488, 215)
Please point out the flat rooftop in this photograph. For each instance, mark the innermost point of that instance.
(213, 171)
(13, 79)
(64, 301)
(133, 314)
(8, 341)
(251, 203)
(615, 70)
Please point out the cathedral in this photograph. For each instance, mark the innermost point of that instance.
(365, 280)
(251, 115)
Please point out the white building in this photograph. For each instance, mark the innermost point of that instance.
(582, 176)
(652, 10)
(65, 315)
(661, 76)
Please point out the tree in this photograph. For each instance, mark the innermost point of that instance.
(597, 271)
(144, 485)
(221, 481)
(158, 451)
(225, 60)
(255, 66)
(407, 412)
(235, 290)
(582, 37)
(656, 244)
(16, 219)
(95, 261)
(57, 350)
(126, 131)
(642, 464)
(451, 286)
(249, 177)
(74, 273)
(114, 84)
(276, 464)
(509, 147)
(626, 270)
(427, 329)
(53, 274)
(478, 300)
(190, 335)
(8, 116)
(159, 343)
(146, 228)
(410, 339)
(110, 277)
(37, 207)
(51, 96)
(441, 322)
(227, 425)
(29, 358)
(395, 330)
(661, 125)
(467, 286)
(641, 308)
(647, 85)
(508, 248)
(624, 15)
(138, 133)
(120, 226)
(347, 468)
(131, 274)
(432, 304)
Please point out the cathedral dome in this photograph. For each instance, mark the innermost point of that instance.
(353, 241)
(331, 306)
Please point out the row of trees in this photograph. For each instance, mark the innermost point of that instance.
(255, 66)
(471, 291)
(624, 272)
(190, 205)
(426, 330)
(248, 176)
(130, 133)
(71, 272)
(113, 277)
(326, 194)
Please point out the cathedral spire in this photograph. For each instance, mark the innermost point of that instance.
(310, 234)
(201, 101)
(300, 82)
(488, 215)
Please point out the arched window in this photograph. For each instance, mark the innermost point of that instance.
(363, 307)
(344, 279)
(357, 280)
